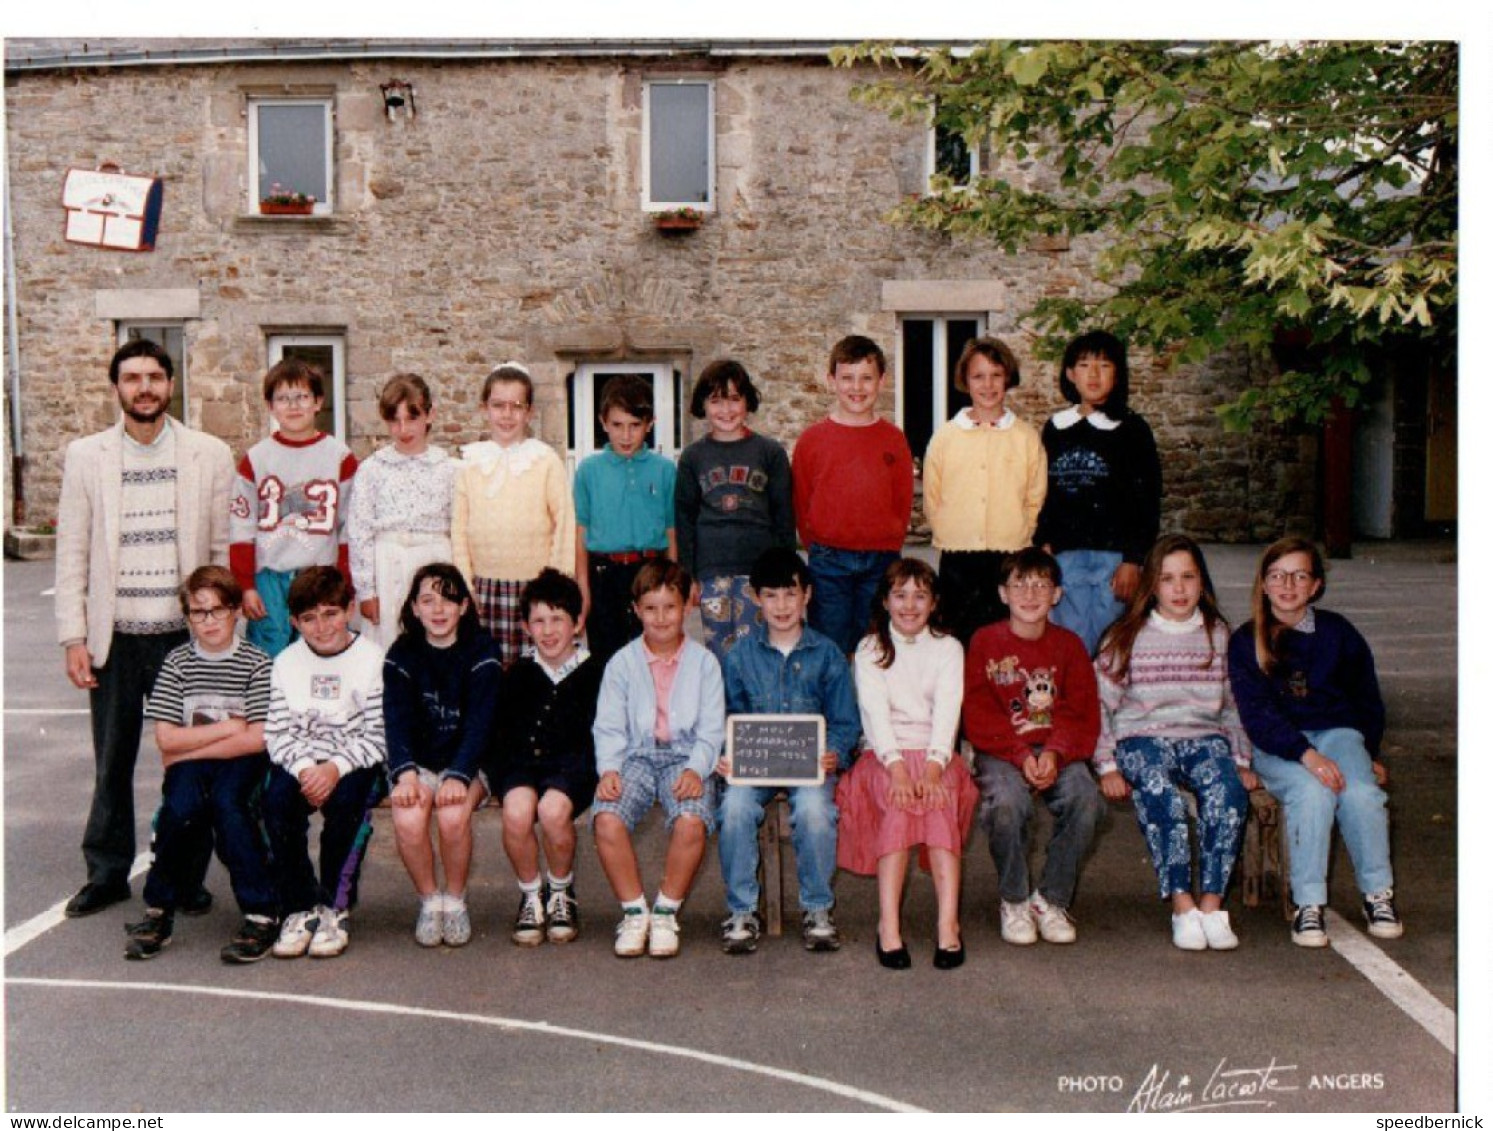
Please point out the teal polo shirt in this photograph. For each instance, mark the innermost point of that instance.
(626, 505)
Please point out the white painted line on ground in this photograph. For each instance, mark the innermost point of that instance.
(46, 710)
(1390, 979)
(543, 1028)
(22, 933)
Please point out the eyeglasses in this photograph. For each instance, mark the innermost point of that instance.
(1031, 585)
(293, 400)
(1279, 577)
(216, 613)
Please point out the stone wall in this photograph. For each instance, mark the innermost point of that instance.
(504, 222)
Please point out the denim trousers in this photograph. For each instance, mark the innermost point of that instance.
(212, 798)
(815, 819)
(347, 823)
(1006, 812)
(1155, 768)
(1088, 606)
(1360, 811)
(844, 586)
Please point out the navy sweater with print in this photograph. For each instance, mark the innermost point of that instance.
(1103, 488)
(440, 704)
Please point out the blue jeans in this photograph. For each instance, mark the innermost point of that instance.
(1155, 768)
(346, 825)
(1310, 808)
(273, 632)
(202, 799)
(1088, 606)
(844, 586)
(1006, 812)
(815, 819)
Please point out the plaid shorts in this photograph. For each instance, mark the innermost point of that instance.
(647, 776)
(499, 612)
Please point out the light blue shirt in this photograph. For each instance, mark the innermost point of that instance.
(625, 504)
(628, 706)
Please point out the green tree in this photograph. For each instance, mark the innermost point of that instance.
(1246, 193)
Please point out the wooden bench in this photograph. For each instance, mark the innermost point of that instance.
(776, 831)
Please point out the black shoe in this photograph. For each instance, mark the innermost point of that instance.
(200, 902)
(948, 958)
(897, 959)
(252, 941)
(93, 898)
(150, 936)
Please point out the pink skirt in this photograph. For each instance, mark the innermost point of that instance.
(871, 827)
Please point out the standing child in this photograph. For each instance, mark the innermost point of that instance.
(1031, 711)
(1167, 721)
(289, 504)
(326, 739)
(512, 514)
(209, 705)
(545, 758)
(400, 517)
(660, 724)
(733, 500)
(984, 479)
(624, 513)
(1103, 507)
(910, 789)
(1309, 697)
(852, 494)
(785, 668)
(441, 684)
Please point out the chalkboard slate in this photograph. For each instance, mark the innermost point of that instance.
(775, 749)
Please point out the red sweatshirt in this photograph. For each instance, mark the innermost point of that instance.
(852, 486)
(1020, 695)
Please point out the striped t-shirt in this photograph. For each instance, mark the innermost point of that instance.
(195, 688)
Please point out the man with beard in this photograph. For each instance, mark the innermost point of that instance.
(143, 504)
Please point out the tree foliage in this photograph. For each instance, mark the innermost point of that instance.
(1245, 193)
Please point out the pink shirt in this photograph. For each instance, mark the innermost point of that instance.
(663, 669)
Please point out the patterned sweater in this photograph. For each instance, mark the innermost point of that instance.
(327, 708)
(409, 494)
(289, 506)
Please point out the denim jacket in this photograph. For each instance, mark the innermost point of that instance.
(813, 679)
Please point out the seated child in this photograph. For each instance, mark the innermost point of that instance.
(784, 668)
(1031, 711)
(441, 682)
(326, 739)
(660, 724)
(209, 705)
(545, 758)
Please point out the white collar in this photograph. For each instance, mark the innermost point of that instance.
(577, 658)
(965, 418)
(1307, 623)
(1176, 627)
(1070, 416)
(431, 454)
(488, 456)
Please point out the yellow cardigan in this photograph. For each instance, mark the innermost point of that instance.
(512, 513)
(983, 486)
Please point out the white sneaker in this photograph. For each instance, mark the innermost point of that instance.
(331, 938)
(1216, 929)
(663, 935)
(632, 935)
(456, 923)
(1188, 932)
(1053, 923)
(1017, 925)
(428, 922)
(296, 933)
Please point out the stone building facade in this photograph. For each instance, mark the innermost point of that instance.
(509, 217)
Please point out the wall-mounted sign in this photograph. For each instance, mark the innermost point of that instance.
(107, 208)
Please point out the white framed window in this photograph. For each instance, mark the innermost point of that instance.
(328, 352)
(928, 345)
(171, 337)
(678, 144)
(950, 155)
(290, 145)
(585, 388)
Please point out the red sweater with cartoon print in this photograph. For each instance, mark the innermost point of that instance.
(1023, 696)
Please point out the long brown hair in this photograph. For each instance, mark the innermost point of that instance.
(898, 574)
(1118, 641)
(1267, 628)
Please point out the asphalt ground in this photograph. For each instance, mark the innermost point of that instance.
(1120, 1021)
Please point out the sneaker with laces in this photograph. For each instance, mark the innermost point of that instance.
(1187, 931)
(331, 937)
(456, 923)
(1017, 925)
(819, 931)
(1309, 927)
(296, 933)
(1217, 931)
(252, 941)
(428, 921)
(1053, 923)
(663, 934)
(632, 934)
(1380, 914)
(739, 933)
(563, 915)
(149, 936)
(528, 925)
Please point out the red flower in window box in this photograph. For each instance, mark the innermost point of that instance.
(678, 220)
(281, 202)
